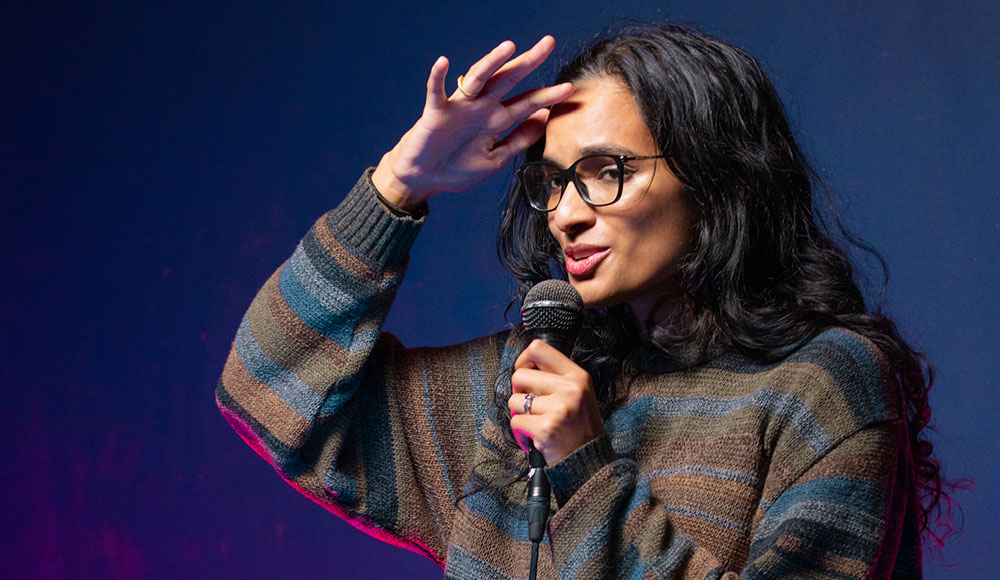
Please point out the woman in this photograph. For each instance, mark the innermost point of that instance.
(729, 408)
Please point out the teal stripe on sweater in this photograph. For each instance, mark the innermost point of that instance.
(706, 516)
(706, 471)
(282, 381)
(844, 529)
(463, 565)
(598, 535)
(627, 421)
(335, 325)
(339, 298)
(863, 388)
(339, 325)
(477, 380)
(677, 554)
(512, 520)
(841, 490)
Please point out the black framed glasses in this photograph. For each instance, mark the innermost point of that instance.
(599, 179)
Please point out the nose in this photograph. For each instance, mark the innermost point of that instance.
(572, 215)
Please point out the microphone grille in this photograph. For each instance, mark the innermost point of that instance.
(552, 304)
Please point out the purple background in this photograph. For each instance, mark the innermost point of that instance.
(158, 162)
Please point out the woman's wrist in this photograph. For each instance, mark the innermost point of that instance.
(574, 470)
(364, 224)
(394, 193)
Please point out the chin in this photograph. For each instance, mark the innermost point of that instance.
(595, 298)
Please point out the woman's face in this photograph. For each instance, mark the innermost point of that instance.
(629, 251)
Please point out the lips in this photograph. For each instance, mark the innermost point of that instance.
(582, 259)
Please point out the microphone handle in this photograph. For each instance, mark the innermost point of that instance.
(559, 339)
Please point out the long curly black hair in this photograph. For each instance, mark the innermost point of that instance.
(764, 272)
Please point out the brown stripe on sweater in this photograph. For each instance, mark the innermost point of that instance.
(294, 328)
(650, 516)
(452, 408)
(349, 262)
(728, 546)
(342, 256)
(703, 562)
(319, 359)
(263, 404)
(790, 461)
(735, 452)
(707, 494)
(647, 516)
(411, 423)
(850, 459)
(481, 537)
(831, 563)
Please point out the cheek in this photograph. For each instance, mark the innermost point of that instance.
(660, 242)
(554, 233)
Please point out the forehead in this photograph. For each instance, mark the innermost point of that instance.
(601, 116)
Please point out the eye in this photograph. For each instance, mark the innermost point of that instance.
(609, 173)
(554, 182)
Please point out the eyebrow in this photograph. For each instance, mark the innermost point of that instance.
(600, 149)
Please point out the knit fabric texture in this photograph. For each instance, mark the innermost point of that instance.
(795, 469)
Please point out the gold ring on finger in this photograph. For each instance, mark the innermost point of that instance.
(462, 89)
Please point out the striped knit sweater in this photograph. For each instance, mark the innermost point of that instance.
(798, 469)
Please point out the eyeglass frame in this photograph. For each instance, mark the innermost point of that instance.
(569, 174)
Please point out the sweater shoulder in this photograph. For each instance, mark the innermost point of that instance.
(839, 379)
(848, 365)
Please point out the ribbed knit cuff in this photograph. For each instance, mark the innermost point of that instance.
(571, 473)
(364, 223)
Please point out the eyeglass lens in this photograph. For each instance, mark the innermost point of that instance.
(598, 179)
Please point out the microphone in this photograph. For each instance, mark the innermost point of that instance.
(551, 312)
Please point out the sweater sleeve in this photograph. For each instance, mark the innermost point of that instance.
(846, 517)
(837, 508)
(342, 412)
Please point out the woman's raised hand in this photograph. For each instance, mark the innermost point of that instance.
(460, 140)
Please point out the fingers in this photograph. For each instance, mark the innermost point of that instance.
(494, 76)
(563, 413)
(510, 74)
(542, 356)
(436, 96)
(529, 131)
(533, 427)
(529, 380)
(526, 103)
(531, 110)
(485, 68)
(515, 404)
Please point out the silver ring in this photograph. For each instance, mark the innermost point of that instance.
(527, 402)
